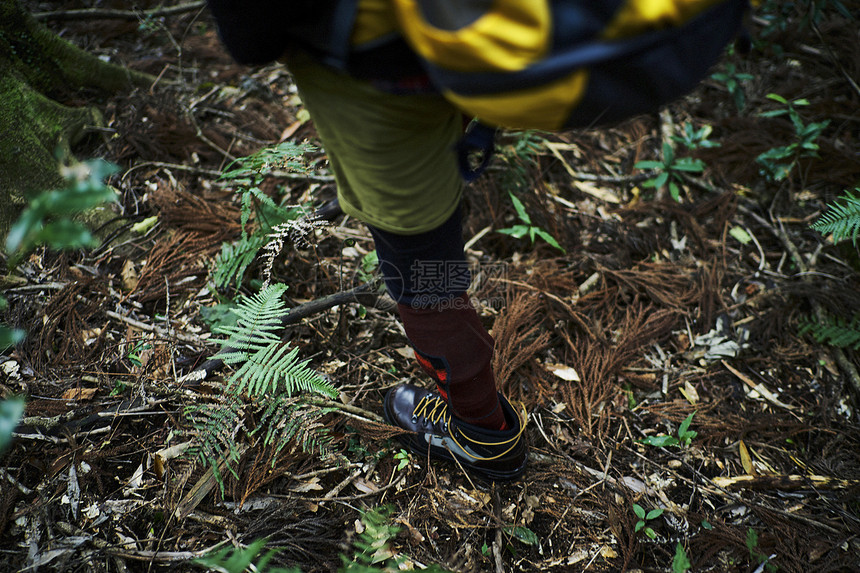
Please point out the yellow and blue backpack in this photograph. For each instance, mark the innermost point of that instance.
(557, 64)
(535, 64)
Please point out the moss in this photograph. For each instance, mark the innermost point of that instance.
(50, 63)
(34, 132)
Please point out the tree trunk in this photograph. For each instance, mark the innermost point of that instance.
(36, 132)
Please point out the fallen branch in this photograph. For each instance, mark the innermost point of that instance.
(784, 483)
(105, 14)
(348, 480)
(713, 488)
(202, 488)
(162, 332)
(349, 410)
(760, 388)
(498, 542)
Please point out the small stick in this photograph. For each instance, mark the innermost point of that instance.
(132, 15)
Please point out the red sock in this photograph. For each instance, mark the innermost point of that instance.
(455, 349)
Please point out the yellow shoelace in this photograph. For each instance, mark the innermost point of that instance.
(435, 409)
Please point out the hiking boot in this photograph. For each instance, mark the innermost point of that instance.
(489, 454)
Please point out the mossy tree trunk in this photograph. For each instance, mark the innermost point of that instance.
(35, 130)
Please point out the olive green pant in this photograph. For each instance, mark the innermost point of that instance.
(392, 155)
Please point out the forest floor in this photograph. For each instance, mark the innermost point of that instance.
(657, 310)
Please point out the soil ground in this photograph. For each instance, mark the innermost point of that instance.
(656, 310)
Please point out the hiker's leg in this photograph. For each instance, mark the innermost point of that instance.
(396, 170)
(427, 274)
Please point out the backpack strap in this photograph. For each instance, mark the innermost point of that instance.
(475, 149)
(342, 22)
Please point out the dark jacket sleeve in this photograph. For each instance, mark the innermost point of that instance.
(253, 31)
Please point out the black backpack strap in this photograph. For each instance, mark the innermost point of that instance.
(475, 149)
(342, 21)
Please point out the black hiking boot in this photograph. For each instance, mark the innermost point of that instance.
(487, 454)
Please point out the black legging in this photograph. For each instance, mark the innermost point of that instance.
(424, 270)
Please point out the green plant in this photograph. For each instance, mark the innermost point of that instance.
(8, 336)
(779, 15)
(836, 331)
(119, 387)
(248, 173)
(136, 350)
(842, 220)
(680, 563)
(644, 518)
(402, 459)
(268, 375)
(47, 220)
(526, 227)
(631, 398)
(518, 152)
(733, 80)
(235, 258)
(779, 161)
(267, 365)
(368, 267)
(685, 435)
(670, 171)
(11, 411)
(216, 428)
(238, 560)
(755, 554)
(372, 548)
(693, 138)
(371, 551)
(522, 534)
(219, 314)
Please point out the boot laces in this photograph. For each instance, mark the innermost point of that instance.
(434, 409)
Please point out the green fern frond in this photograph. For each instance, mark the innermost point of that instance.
(268, 366)
(372, 551)
(235, 258)
(277, 368)
(257, 324)
(835, 331)
(216, 427)
(285, 156)
(842, 220)
(268, 374)
(238, 560)
(287, 420)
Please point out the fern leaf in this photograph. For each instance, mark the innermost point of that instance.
(235, 258)
(238, 560)
(287, 420)
(842, 220)
(269, 370)
(268, 366)
(258, 320)
(276, 369)
(834, 331)
(216, 427)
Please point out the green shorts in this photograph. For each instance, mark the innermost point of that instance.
(392, 155)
